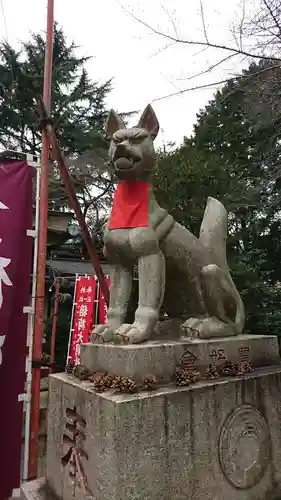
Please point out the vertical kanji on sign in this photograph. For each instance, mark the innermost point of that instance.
(84, 301)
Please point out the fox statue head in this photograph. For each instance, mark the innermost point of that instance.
(131, 151)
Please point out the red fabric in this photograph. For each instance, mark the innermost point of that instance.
(102, 304)
(130, 205)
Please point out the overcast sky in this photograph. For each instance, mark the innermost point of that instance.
(142, 68)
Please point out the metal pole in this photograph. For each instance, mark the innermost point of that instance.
(41, 263)
(58, 157)
(31, 331)
(54, 326)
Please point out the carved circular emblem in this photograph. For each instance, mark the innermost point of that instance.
(244, 447)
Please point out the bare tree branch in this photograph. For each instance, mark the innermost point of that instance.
(202, 43)
(171, 20)
(241, 25)
(203, 21)
(209, 69)
(163, 49)
(273, 16)
(215, 84)
(183, 91)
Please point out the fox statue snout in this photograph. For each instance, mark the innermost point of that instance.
(131, 151)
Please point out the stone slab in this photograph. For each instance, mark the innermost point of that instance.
(213, 440)
(161, 359)
(36, 490)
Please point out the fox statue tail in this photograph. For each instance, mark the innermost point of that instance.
(221, 295)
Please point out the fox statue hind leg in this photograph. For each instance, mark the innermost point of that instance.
(224, 305)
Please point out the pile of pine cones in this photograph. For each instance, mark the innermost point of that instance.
(186, 376)
(228, 369)
(103, 381)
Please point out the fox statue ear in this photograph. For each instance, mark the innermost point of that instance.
(113, 123)
(148, 121)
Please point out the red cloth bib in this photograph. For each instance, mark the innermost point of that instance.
(130, 205)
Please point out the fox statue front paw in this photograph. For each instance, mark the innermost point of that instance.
(204, 328)
(102, 333)
(131, 334)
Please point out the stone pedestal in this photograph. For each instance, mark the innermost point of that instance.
(161, 358)
(211, 440)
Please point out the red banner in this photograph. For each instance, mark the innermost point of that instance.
(83, 315)
(102, 304)
(15, 283)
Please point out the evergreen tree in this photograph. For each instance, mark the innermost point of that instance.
(234, 155)
(78, 112)
(78, 104)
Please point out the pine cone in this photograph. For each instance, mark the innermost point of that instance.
(186, 376)
(228, 369)
(99, 385)
(194, 376)
(244, 367)
(182, 377)
(128, 385)
(99, 381)
(212, 372)
(116, 383)
(179, 376)
(81, 372)
(108, 381)
(150, 382)
(96, 375)
(69, 367)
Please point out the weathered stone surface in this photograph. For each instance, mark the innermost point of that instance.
(36, 490)
(213, 440)
(161, 358)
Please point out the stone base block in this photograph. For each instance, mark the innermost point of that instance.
(212, 440)
(36, 490)
(161, 359)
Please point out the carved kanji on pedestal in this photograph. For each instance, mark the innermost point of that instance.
(74, 438)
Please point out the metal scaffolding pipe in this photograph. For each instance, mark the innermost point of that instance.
(42, 254)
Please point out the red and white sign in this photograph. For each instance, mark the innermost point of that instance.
(102, 304)
(84, 302)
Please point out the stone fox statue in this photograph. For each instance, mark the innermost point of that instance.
(186, 276)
